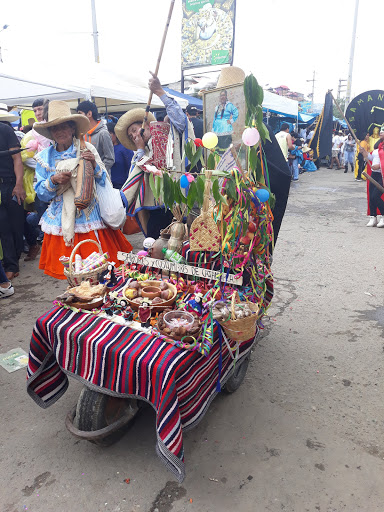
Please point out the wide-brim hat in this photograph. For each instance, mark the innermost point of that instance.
(136, 115)
(230, 76)
(7, 116)
(58, 113)
(305, 149)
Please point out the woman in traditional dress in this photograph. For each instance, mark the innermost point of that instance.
(225, 115)
(63, 224)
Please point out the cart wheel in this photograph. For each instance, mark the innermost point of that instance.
(237, 377)
(95, 411)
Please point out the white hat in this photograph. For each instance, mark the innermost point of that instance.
(7, 116)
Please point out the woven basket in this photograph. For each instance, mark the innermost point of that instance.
(204, 234)
(241, 329)
(75, 278)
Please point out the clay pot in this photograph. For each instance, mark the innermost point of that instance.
(151, 292)
(160, 243)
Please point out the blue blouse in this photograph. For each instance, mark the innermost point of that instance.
(222, 116)
(86, 220)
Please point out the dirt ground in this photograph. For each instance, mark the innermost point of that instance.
(303, 433)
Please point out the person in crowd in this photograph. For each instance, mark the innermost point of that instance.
(303, 134)
(33, 211)
(192, 114)
(375, 201)
(311, 132)
(64, 226)
(285, 140)
(123, 158)
(336, 145)
(97, 134)
(349, 148)
(374, 138)
(225, 115)
(12, 195)
(295, 156)
(136, 192)
(360, 165)
(6, 288)
(308, 163)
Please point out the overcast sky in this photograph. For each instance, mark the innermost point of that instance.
(281, 42)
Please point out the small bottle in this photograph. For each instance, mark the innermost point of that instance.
(173, 256)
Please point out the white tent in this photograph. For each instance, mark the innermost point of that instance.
(110, 90)
(280, 104)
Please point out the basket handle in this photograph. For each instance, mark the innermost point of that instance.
(76, 248)
(235, 296)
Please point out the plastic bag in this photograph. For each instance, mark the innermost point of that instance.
(111, 206)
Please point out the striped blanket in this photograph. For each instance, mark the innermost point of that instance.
(119, 361)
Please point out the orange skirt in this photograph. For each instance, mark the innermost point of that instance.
(53, 247)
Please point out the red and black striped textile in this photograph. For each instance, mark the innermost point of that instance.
(120, 361)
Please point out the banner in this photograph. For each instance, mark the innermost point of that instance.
(366, 112)
(207, 33)
(321, 142)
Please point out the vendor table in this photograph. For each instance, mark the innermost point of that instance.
(122, 362)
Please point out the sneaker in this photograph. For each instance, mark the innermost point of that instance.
(372, 222)
(380, 224)
(6, 292)
(358, 179)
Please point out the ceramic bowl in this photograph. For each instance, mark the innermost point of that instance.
(151, 292)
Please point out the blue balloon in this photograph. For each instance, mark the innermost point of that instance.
(263, 195)
(184, 183)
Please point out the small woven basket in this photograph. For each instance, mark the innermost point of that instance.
(75, 278)
(241, 329)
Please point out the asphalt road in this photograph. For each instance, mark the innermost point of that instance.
(303, 433)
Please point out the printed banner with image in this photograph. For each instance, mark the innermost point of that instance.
(207, 33)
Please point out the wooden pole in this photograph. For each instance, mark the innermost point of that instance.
(158, 64)
(374, 182)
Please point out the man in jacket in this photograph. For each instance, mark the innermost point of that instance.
(98, 134)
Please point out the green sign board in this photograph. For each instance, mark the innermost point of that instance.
(219, 57)
(196, 5)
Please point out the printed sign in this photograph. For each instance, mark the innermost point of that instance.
(207, 33)
(14, 359)
(181, 268)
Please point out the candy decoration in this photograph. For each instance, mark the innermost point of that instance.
(210, 140)
(263, 195)
(250, 136)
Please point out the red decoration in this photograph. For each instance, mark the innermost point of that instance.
(198, 143)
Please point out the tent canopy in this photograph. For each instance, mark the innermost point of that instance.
(109, 89)
(194, 102)
(280, 104)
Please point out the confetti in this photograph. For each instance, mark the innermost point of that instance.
(127, 480)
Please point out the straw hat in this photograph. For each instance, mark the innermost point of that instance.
(59, 112)
(305, 148)
(136, 115)
(5, 115)
(230, 76)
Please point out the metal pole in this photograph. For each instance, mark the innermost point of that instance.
(182, 82)
(349, 83)
(95, 33)
(313, 90)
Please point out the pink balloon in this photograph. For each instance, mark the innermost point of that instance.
(250, 136)
(142, 253)
(190, 178)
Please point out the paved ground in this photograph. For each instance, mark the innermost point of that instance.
(303, 433)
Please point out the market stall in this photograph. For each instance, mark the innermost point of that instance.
(175, 323)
